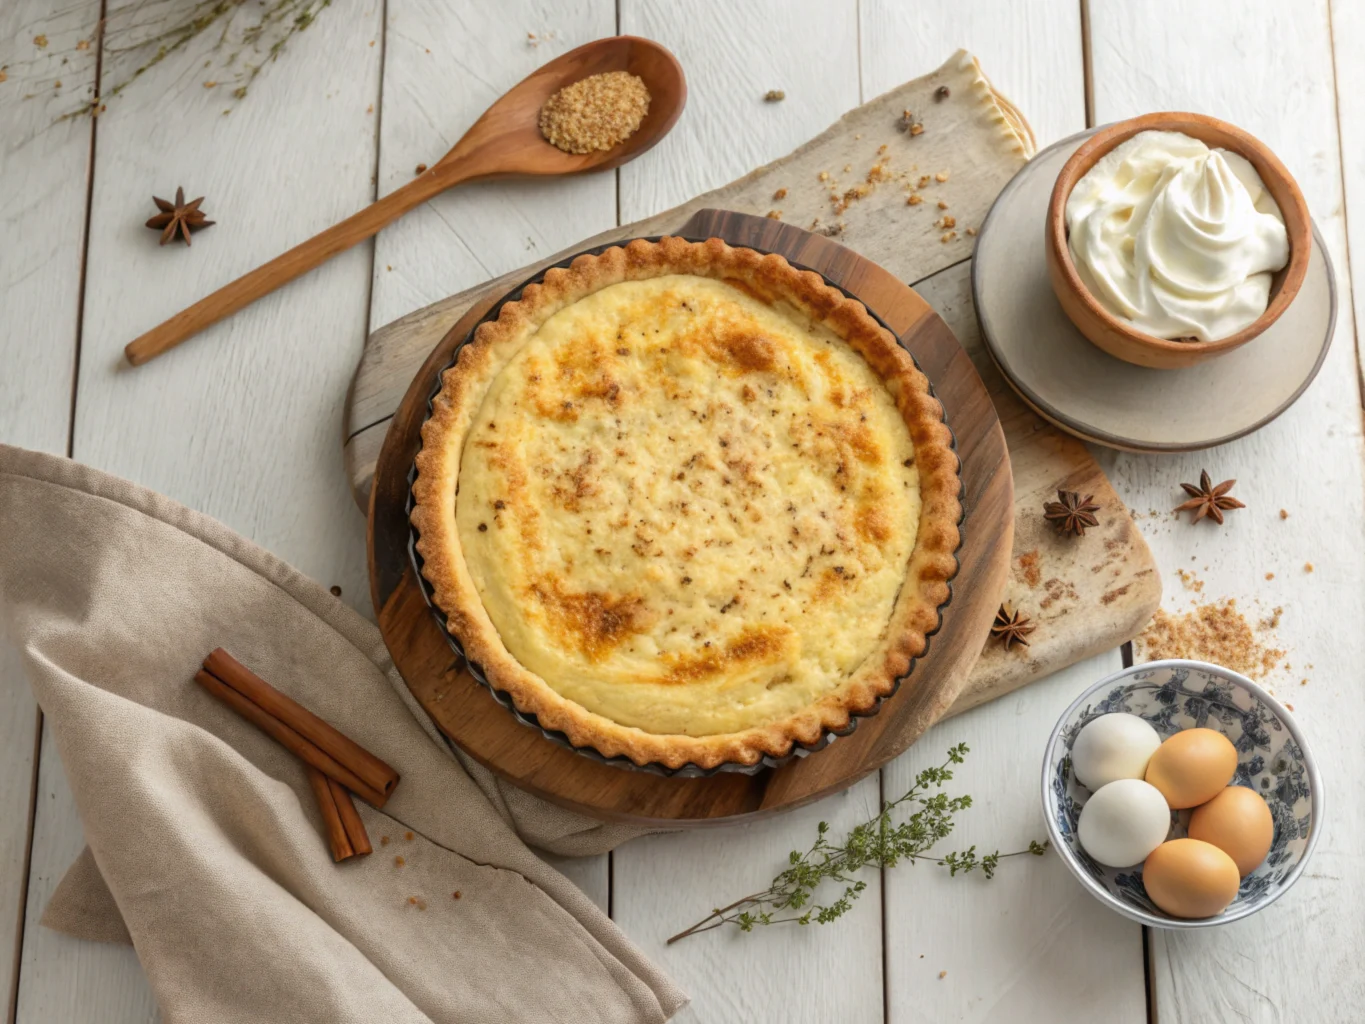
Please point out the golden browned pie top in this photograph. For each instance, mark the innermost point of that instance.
(687, 504)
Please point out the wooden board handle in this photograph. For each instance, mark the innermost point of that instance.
(289, 265)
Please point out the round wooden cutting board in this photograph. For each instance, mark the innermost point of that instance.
(466, 711)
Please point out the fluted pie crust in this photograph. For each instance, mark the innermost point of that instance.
(688, 504)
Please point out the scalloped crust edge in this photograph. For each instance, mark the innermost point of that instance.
(932, 564)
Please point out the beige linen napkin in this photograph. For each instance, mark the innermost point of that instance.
(205, 846)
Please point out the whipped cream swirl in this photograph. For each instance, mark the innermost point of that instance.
(1179, 239)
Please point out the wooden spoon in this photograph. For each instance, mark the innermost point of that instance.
(504, 142)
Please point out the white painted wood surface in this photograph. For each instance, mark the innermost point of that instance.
(900, 40)
(243, 422)
(786, 973)
(42, 222)
(1270, 72)
(1348, 43)
(1030, 945)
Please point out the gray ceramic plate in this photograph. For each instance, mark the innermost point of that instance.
(1099, 398)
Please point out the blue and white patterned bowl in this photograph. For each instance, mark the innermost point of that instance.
(1273, 759)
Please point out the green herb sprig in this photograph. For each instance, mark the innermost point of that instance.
(881, 843)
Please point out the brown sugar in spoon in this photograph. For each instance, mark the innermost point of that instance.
(505, 142)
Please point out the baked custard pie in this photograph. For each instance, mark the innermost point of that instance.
(688, 504)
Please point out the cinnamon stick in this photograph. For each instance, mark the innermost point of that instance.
(374, 773)
(337, 837)
(350, 819)
(289, 738)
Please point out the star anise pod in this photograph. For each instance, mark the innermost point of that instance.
(1207, 500)
(1011, 627)
(178, 216)
(1071, 512)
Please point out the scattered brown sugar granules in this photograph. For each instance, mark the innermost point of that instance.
(595, 113)
(1215, 632)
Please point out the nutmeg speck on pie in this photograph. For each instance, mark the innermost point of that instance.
(687, 504)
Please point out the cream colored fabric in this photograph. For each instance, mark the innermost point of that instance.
(204, 842)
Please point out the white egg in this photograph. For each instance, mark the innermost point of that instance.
(1123, 822)
(1113, 746)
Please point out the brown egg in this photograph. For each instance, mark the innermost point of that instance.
(1190, 878)
(1238, 822)
(1192, 767)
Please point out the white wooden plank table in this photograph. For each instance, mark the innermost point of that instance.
(243, 422)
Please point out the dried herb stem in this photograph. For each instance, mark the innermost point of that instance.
(240, 39)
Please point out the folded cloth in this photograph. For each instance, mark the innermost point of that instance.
(205, 844)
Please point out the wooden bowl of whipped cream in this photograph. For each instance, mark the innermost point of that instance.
(1181, 246)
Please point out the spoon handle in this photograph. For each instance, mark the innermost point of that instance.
(287, 266)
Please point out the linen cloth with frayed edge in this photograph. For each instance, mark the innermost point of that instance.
(205, 844)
